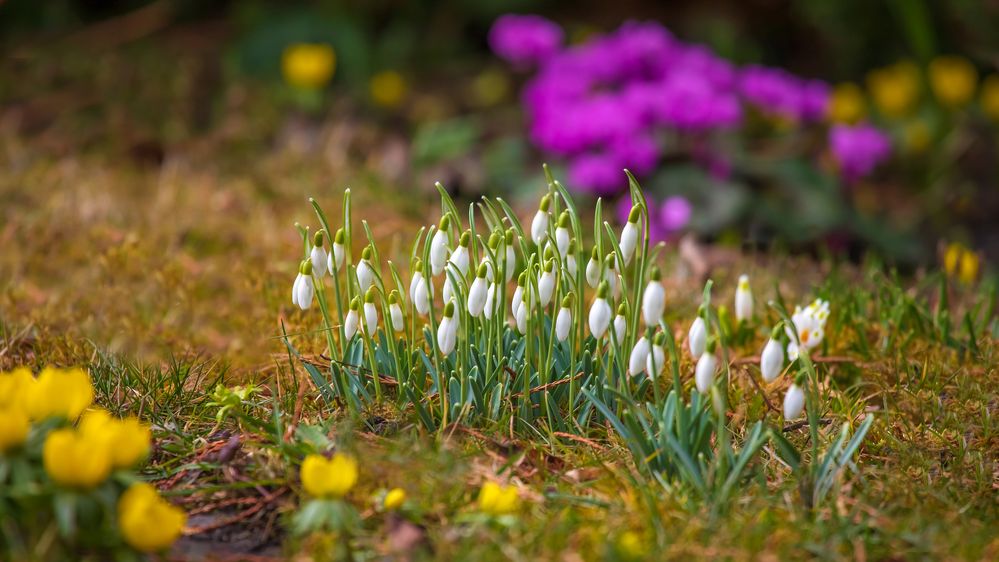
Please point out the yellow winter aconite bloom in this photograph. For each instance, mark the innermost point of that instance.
(75, 460)
(64, 393)
(990, 97)
(916, 137)
(953, 80)
(15, 386)
(631, 546)
(394, 499)
(334, 477)
(895, 89)
(127, 440)
(148, 522)
(388, 88)
(846, 105)
(308, 66)
(498, 500)
(961, 263)
(14, 427)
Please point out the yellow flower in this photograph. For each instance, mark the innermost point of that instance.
(990, 97)
(846, 105)
(916, 137)
(64, 393)
(148, 522)
(631, 546)
(15, 386)
(308, 66)
(961, 263)
(72, 459)
(394, 499)
(894, 89)
(388, 88)
(953, 80)
(498, 500)
(14, 428)
(127, 440)
(322, 477)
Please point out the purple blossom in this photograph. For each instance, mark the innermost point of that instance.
(858, 149)
(525, 40)
(674, 213)
(596, 173)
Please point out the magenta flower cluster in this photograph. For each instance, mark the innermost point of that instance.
(858, 149)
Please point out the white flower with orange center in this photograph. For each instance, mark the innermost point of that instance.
(808, 328)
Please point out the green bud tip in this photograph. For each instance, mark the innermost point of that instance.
(655, 274)
(369, 297)
(509, 236)
(466, 238)
(445, 223)
(483, 270)
(572, 246)
(712, 345)
(775, 333)
(563, 220)
(567, 301)
(801, 377)
(522, 279)
(317, 240)
(609, 260)
(449, 309)
(494, 240)
(366, 253)
(394, 297)
(306, 267)
(550, 265)
(418, 265)
(602, 290)
(595, 254)
(355, 303)
(622, 309)
(340, 237)
(546, 202)
(659, 339)
(549, 253)
(636, 211)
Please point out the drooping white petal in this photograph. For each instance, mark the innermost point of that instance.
(421, 297)
(655, 361)
(629, 239)
(477, 296)
(563, 323)
(620, 329)
(448, 289)
(521, 317)
(562, 240)
(491, 303)
(459, 257)
(350, 324)
(539, 226)
(794, 402)
(653, 303)
(370, 318)
(592, 273)
(704, 373)
(447, 335)
(697, 337)
(792, 351)
(338, 254)
(546, 286)
(743, 300)
(600, 317)
(570, 266)
(395, 312)
(438, 252)
(365, 275)
(294, 288)
(518, 297)
(771, 360)
(306, 290)
(639, 356)
(511, 263)
(319, 261)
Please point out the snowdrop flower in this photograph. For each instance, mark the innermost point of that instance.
(539, 226)
(518, 294)
(546, 283)
(447, 331)
(656, 359)
(743, 300)
(629, 235)
(639, 356)
(620, 324)
(419, 294)
(794, 402)
(593, 269)
(334, 261)
(318, 256)
(395, 312)
(477, 292)
(460, 256)
(570, 260)
(704, 373)
(303, 290)
(370, 312)
(697, 337)
(563, 322)
(448, 289)
(562, 234)
(600, 312)
(610, 274)
(809, 327)
(653, 300)
(491, 303)
(439, 246)
(772, 358)
(365, 273)
(353, 319)
(511, 256)
(521, 318)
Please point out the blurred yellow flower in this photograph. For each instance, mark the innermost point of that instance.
(388, 88)
(631, 546)
(961, 263)
(308, 66)
(14, 387)
(895, 89)
(62, 393)
(72, 459)
(490, 87)
(916, 137)
(498, 500)
(394, 499)
(14, 428)
(846, 105)
(322, 477)
(953, 80)
(127, 440)
(148, 522)
(990, 97)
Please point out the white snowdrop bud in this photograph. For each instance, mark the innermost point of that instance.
(303, 289)
(521, 317)
(353, 319)
(447, 331)
(460, 256)
(395, 312)
(370, 312)
(653, 300)
(477, 292)
(593, 269)
(365, 273)
(417, 277)
(419, 293)
(539, 226)
(794, 402)
(697, 337)
(318, 256)
(491, 303)
(620, 324)
(629, 235)
(562, 234)
(439, 246)
(771, 360)
(546, 283)
(743, 300)
(656, 360)
(570, 260)
(600, 312)
(639, 356)
(335, 259)
(704, 373)
(563, 322)
(511, 256)
(518, 294)
(610, 274)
